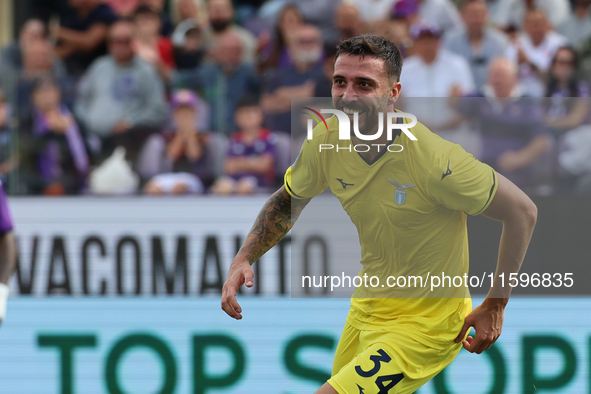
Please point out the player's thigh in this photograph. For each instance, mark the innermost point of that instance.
(347, 348)
(379, 369)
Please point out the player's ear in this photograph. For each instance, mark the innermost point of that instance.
(394, 92)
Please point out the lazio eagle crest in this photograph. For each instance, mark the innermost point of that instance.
(400, 192)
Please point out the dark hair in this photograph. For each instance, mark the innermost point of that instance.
(330, 51)
(376, 46)
(145, 10)
(279, 43)
(248, 100)
(573, 82)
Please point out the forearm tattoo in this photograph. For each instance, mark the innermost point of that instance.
(272, 224)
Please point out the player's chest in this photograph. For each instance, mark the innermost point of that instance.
(386, 187)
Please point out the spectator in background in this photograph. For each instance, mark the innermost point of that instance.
(513, 12)
(373, 10)
(533, 51)
(81, 35)
(121, 97)
(569, 106)
(348, 22)
(441, 14)
(183, 163)
(188, 37)
(322, 15)
(476, 43)
(149, 45)
(194, 10)
(250, 158)
(45, 9)
(511, 126)
(54, 160)
(11, 56)
(188, 42)
(577, 27)
(567, 116)
(431, 73)
(222, 82)
(247, 9)
(38, 60)
(8, 160)
(221, 16)
(323, 86)
(122, 8)
(158, 6)
(278, 56)
(298, 80)
(403, 15)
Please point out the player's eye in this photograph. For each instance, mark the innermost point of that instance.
(339, 82)
(364, 84)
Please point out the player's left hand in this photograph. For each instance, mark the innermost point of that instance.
(487, 320)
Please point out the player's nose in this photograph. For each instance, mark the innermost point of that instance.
(349, 95)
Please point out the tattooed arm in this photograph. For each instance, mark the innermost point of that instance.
(273, 222)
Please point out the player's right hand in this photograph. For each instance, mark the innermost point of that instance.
(240, 273)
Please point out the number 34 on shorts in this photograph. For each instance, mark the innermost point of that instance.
(376, 370)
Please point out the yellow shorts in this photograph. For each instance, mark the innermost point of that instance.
(381, 362)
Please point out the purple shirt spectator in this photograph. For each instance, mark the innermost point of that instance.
(49, 159)
(6, 223)
(503, 127)
(264, 144)
(507, 124)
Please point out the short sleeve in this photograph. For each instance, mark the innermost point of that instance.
(305, 178)
(460, 182)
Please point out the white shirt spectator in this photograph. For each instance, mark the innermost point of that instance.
(442, 14)
(420, 79)
(431, 83)
(374, 10)
(576, 29)
(512, 12)
(540, 56)
(493, 45)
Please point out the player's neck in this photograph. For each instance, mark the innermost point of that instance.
(375, 147)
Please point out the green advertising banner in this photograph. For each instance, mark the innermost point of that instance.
(283, 345)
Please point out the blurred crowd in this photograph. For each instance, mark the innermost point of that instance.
(194, 96)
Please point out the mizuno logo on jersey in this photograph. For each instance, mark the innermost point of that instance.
(446, 173)
(344, 183)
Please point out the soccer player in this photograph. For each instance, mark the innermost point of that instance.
(410, 209)
(7, 251)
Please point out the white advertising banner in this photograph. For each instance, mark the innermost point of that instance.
(136, 246)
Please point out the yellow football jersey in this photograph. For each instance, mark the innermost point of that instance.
(410, 209)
